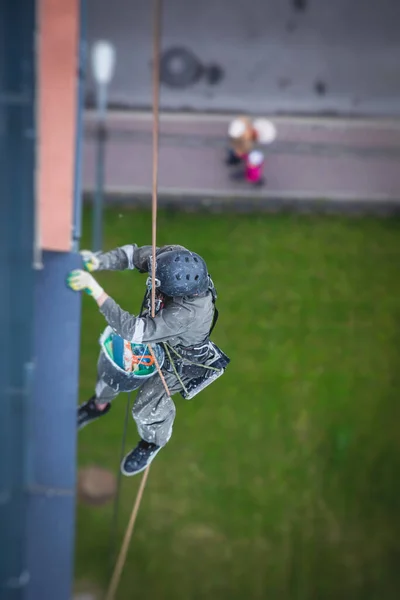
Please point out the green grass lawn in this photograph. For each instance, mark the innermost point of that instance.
(281, 479)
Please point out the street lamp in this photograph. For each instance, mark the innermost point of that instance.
(103, 64)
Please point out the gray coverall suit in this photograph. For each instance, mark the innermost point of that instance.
(182, 321)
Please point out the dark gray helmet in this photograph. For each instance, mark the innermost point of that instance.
(181, 273)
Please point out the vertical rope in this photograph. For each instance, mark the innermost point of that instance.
(116, 576)
(127, 538)
(156, 120)
(114, 522)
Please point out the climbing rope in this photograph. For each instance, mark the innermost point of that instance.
(114, 522)
(119, 565)
(156, 121)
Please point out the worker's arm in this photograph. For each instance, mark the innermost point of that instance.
(126, 257)
(119, 259)
(169, 322)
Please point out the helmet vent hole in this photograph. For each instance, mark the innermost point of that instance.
(188, 276)
(186, 259)
(177, 258)
(195, 259)
(196, 278)
(179, 276)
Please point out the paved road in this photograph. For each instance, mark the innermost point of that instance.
(311, 159)
(273, 54)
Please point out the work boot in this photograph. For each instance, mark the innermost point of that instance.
(88, 412)
(139, 458)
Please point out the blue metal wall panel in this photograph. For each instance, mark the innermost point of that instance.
(52, 421)
(39, 348)
(17, 159)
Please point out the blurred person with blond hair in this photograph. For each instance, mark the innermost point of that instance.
(244, 135)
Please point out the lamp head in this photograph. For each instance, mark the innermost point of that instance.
(103, 62)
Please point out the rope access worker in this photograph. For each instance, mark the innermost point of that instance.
(185, 315)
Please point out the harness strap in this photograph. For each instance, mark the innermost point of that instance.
(215, 318)
(188, 362)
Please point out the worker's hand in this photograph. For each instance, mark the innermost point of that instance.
(90, 260)
(79, 280)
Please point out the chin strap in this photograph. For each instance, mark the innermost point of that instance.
(211, 288)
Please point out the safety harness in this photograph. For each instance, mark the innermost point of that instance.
(199, 365)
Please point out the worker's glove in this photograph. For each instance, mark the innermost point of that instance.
(90, 260)
(79, 280)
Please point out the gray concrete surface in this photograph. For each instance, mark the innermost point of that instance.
(272, 54)
(312, 159)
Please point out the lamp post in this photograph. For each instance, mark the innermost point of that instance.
(103, 63)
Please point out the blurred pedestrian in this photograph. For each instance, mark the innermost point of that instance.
(255, 167)
(244, 135)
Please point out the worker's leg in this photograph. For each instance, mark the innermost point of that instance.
(154, 411)
(154, 414)
(110, 382)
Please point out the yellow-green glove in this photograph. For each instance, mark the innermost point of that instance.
(90, 260)
(79, 280)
